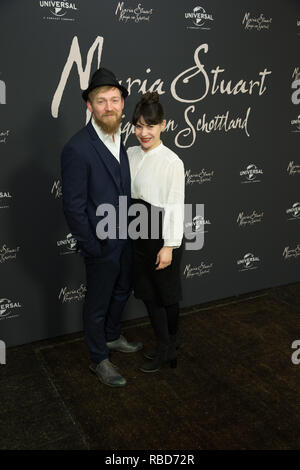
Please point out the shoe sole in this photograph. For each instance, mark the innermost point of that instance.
(105, 383)
(149, 356)
(149, 371)
(125, 351)
(171, 362)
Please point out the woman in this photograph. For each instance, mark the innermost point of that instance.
(157, 183)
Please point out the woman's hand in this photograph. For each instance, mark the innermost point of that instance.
(164, 257)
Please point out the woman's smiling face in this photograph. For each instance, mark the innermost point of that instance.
(148, 134)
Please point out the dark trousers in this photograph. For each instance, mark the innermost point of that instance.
(109, 284)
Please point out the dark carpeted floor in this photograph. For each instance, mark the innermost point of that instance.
(235, 386)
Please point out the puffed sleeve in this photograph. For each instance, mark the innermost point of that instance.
(174, 207)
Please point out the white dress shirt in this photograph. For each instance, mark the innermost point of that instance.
(112, 145)
(157, 177)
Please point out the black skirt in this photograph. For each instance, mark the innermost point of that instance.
(162, 286)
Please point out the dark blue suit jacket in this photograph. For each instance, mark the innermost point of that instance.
(91, 176)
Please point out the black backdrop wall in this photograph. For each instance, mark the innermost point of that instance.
(228, 73)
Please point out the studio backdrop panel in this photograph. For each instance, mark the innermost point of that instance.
(228, 76)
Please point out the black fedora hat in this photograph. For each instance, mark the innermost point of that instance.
(103, 77)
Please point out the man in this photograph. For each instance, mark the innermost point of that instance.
(95, 171)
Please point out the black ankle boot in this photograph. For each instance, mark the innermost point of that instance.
(151, 353)
(162, 356)
(165, 352)
(164, 349)
(159, 323)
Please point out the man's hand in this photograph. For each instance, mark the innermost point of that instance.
(164, 257)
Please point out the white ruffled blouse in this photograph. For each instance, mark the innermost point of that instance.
(157, 177)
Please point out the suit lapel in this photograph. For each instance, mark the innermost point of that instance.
(125, 170)
(106, 156)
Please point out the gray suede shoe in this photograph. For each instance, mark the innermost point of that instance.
(122, 345)
(107, 373)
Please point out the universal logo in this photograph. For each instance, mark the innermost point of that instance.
(8, 254)
(294, 211)
(257, 23)
(295, 124)
(293, 169)
(3, 137)
(203, 176)
(56, 189)
(249, 219)
(251, 174)
(248, 262)
(289, 253)
(135, 14)
(67, 246)
(59, 10)
(197, 271)
(5, 198)
(197, 225)
(67, 295)
(2, 92)
(9, 309)
(199, 18)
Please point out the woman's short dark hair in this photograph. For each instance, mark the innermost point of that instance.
(149, 108)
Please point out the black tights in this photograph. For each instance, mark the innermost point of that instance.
(173, 316)
(171, 312)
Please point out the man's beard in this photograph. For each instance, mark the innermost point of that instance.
(109, 126)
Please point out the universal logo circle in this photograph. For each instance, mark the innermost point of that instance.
(199, 17)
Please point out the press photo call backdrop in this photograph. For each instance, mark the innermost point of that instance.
(228, 75)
